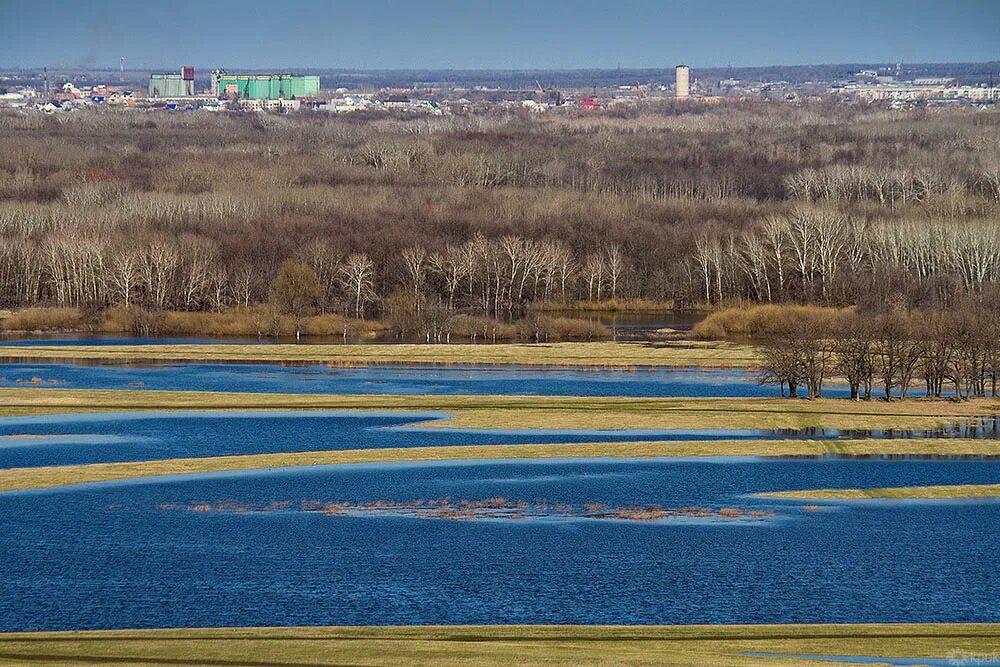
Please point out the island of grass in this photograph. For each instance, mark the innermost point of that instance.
(588, 355)
(534, 412)
(954, 491)
(22, 479)
(718, 645)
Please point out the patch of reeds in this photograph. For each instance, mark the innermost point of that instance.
(749, 322)
(43, 319)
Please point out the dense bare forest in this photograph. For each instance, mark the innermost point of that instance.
(418, 220)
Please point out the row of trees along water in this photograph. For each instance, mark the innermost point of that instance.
(485, 214)
(497, 277)
(886, 355)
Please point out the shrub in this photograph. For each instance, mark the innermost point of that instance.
(132, 320)
(43, 319)
(756, 321)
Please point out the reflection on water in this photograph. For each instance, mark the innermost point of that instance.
(965, 427)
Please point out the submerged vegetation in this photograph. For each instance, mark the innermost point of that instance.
(470, 510)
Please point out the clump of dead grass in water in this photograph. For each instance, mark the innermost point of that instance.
(468, 509)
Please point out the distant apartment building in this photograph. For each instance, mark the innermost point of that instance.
(913, 92)
(271, 105)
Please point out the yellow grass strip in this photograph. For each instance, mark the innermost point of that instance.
(526, 412)
(19, 479)
(597, 354)
(899, 492)
(571, 645)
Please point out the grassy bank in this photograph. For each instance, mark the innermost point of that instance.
(596, 354)
(258, 320)
(20, 479)
(719, 645)
(743, 322)
(899, 492)
(526, 412)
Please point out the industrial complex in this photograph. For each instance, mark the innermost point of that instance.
(280, 92)
(234, 86)
(263, 86)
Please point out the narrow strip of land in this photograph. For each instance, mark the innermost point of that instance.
(720, 645)
(20, 479)
(532, 412)
(591, 355)
(898, 492)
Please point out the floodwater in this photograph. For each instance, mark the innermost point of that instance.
(140, 436)
(616, 541)
(465, 380)
(75, 439)
(113, 555)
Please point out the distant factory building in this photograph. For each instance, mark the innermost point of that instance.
(682, 86)
(172, 85)
(264, 86)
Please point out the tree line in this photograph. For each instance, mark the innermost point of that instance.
(765, 202)
(883, 355)
(816, 254)
(498, 278)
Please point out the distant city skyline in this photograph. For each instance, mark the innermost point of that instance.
(477, 34)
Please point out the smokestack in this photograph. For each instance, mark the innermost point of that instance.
(682, 87)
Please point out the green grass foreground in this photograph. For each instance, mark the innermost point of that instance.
(899, 492)
(591, 355)
(527, 412)
(21, 479)
(571, 645)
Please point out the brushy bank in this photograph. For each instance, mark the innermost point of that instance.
(265, 321)
(750, 322)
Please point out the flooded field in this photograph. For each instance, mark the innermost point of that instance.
(140, 436)
(74, 439)
(317, 378)
(589, 541)
(134, 555)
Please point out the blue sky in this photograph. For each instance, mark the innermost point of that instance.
(503, 34)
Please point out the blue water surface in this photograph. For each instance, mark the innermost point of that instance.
(319, 379)
(109, 555)
(140, 436)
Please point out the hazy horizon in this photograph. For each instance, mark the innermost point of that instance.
(477, 35)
